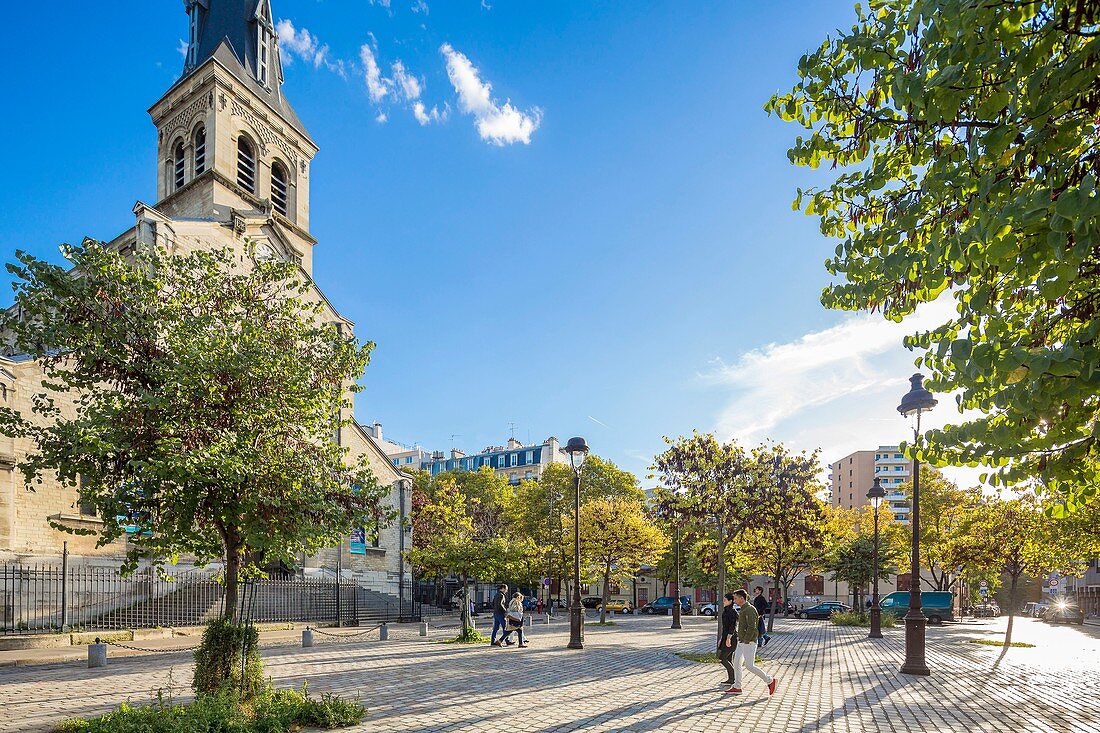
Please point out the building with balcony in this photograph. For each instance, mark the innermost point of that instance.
(852, 476)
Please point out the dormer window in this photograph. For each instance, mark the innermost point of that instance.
(263, 44)
(246, 165)
(200, 151)
(279, 188)
(192, 33)
(178, 167)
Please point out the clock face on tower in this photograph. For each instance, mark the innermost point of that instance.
(264, 252)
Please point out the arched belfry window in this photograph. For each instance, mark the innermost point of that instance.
(178, 167)
(200, 151)
(279, 184)
(246, 165)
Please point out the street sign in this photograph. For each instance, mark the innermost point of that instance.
(1053, 582)
(983, 584)
(983, 591)
(546, 582)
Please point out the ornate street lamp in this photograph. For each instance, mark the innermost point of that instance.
(577, 449)
(917, 400)
(875, 495)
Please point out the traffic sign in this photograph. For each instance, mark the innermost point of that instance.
(1053, 582)
(983, 584)
(546, 582)
(984, 591)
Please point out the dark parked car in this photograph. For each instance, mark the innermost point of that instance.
(591, 601)
(986, 610)
(823, 610)
(1063, 612)
(664, 604)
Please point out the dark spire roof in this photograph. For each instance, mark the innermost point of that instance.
(227, 31)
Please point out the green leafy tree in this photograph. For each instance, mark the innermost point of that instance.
(942, 505)
(616, 539)
(207, 391)
(849, 546)
(1013, 538)
(966, 141)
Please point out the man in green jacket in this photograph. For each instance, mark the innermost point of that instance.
(747, 636)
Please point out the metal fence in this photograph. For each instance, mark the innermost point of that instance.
(39, 599)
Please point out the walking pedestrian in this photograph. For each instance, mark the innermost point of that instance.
(513, 621)
(538, 607)
(500, 610)
(747, 635)
(727, 641)
(761, 605)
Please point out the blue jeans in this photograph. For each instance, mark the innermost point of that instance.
(498, 625)
(762, 628)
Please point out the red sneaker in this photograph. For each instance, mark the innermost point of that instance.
(734, 691)
(771, 686)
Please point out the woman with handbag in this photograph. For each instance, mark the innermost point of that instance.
(514, 620)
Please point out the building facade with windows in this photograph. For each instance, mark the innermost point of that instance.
(852, 476)
(233, 170)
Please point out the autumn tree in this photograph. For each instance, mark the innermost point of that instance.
(849, 546)
(617, 537)
(207, 389)
(942, 506)
(1014, 538)
(965, 141)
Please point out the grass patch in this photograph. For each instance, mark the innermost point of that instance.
(468, 636)
(600, 623)
(857, 618)
(270, 711)
(707, 658)
(994, 642)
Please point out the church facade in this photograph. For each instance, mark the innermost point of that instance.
(233, 166)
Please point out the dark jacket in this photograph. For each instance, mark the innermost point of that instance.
(500, 604)
(760, 604)
(729, 625)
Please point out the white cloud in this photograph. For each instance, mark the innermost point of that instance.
(378, 87)
(420, 7)
(182, 48)
(381, 117)
(836, 389)
(299, 42)
(409, 84)
(382, 3)
(498, 124)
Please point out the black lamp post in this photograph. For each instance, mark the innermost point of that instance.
(875, 495)
(676, 606)
(577, 449)
(917, 400)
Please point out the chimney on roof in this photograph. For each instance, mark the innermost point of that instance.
(456, 453)
(376, 431)
(513, 444)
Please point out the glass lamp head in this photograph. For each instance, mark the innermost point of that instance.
(577, 448)
(876, 493)
(918, 399)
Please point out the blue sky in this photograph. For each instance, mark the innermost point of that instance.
(613, 254)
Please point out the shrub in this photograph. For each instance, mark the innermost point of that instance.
(269, 711)
(859, 618)
(469, 636)
(218, 665)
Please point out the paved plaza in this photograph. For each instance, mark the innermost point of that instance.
(630, 679)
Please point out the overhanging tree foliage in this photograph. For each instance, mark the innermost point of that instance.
(207, 392)
(967, 136)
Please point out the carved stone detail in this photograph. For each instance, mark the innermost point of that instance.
(266, 134)
(186, 116)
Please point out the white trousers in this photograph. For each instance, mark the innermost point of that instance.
(746, 655)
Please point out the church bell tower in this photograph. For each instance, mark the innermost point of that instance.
(230, 148)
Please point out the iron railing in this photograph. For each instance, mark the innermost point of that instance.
(44, 598)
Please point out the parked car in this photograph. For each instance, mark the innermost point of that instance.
(823, 610)
(591, 601)
(986, 610)
(709, 609)
(1029, 608)
(616, 606)
(664, 604)
(1040, 609)
(937, 606)
(1064, 612)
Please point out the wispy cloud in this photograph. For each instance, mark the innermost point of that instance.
(836, 389)
(378, 87)
(300, 43)
(182, 48)
(598, 422)
(496, 123)
(420, 7)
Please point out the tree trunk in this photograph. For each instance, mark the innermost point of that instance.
(721, 576)
(232, 578)
(775, 595)
(604, 594)
(1011, 617)
(467, 619)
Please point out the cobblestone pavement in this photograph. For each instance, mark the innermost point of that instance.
(630, 679)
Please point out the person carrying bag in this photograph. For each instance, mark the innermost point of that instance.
(513, 620)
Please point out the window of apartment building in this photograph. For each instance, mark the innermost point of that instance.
(527, 475)
(395, 461)
(612, 588)
(408, 459)
(815, 585)
(530, 456)
(899, 468)
(86, 508)
(904, 582)
(584, 588)
(849, 497)
(643, 595)
(898, 455)
(514, 459)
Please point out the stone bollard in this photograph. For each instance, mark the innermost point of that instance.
(383, 632)
(423, 628)
(97, 654)
(528, 620)
(307, 638)
(547, 617)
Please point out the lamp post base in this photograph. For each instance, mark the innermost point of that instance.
(876, 623)
(576, 627)
(676, 617)
(915, 663)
